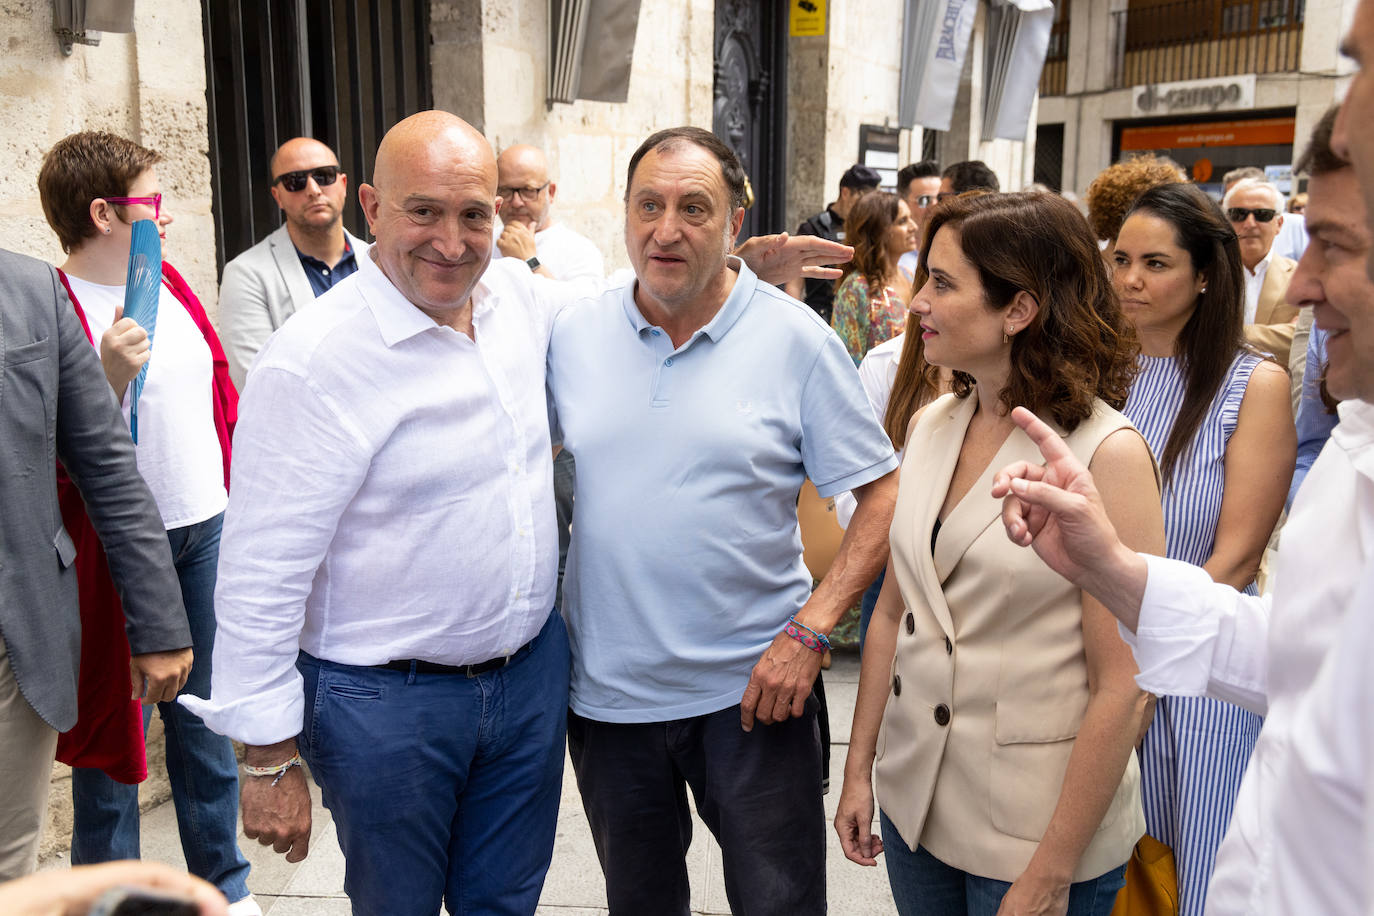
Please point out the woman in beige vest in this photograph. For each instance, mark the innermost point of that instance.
(997, 700)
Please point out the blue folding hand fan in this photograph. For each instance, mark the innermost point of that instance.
(142, 290)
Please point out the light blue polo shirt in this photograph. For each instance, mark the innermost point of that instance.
(686, 559)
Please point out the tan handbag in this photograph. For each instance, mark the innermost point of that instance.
(1151, 882)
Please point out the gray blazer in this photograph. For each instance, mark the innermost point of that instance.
(55, 404)
(261, 288)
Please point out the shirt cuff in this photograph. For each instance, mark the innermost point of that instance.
(1176, 632)
(272, 715)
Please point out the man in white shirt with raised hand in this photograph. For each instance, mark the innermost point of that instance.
(529, 230)
(1300, 835)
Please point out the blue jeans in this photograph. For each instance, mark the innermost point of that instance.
(922, 885)
(200, 764)
(442, 787)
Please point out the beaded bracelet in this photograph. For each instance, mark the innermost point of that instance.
(278, 771)
(816, 642)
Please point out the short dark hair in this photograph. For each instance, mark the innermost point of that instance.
(1079, 347)
(972, 175)
(669, 139)
(861, 177)
(1208, 342)
(1319, 158)
(78, 169)
(926, 168)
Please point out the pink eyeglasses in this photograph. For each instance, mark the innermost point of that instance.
(155, 202)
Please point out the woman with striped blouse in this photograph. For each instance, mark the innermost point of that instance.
(1217, 416)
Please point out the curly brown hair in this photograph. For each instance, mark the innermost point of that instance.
(1079, 347)
(1118, 186)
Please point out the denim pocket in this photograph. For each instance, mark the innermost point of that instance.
(348, 691)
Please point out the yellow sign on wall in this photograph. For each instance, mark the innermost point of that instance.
(806, 17)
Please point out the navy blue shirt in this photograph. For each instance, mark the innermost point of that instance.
(321, 275)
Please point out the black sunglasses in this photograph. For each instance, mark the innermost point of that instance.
(296, 181)
(1238, 214)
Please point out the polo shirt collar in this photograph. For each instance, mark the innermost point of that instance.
(397, 317)
(743, 291)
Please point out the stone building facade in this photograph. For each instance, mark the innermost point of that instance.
(148, 86)
(1212, 84)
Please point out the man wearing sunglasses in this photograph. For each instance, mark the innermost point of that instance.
(307, 255)
(529, 231)
(1255, 209)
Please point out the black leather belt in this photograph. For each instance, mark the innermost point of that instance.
(424, 667)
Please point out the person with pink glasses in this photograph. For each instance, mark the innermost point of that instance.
(94, 186)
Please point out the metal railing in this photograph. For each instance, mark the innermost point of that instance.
(1201, 39)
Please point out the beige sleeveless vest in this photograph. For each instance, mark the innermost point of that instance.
(989, 680)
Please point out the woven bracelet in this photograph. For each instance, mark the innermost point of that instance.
(277, 771)
(816, 642)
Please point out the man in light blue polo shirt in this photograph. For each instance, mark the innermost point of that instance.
(696, 399)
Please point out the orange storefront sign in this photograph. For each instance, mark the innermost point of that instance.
(1259, 132)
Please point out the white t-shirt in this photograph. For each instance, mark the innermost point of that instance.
(178, 449)
(567, 255)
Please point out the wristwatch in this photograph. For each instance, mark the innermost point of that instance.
(533, 263)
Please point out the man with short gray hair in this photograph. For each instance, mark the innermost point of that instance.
(1255, 209)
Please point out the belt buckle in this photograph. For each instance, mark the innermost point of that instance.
(481, 668)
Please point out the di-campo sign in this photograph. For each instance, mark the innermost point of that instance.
(1230, 93)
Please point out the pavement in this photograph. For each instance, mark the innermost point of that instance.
(574, 886)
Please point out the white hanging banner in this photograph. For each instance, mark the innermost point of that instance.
(941, 43)
(1021, 51)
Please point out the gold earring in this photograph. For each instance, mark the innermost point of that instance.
(1006, 335)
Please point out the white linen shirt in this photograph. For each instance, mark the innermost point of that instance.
(567, 255)
(1297, 842)
(392, 497)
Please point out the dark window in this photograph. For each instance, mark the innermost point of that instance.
(1049, 155)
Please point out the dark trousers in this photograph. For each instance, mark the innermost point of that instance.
(758, 792)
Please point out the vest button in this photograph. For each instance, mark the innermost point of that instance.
(949, 646)
(896, 685)
(910, 623)
(942, 715)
